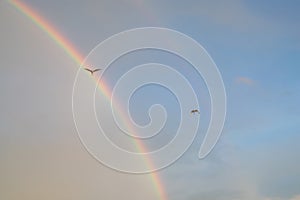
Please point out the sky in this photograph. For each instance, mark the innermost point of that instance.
(256, 47)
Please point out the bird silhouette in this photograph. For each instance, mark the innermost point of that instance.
(92, 70)
(195, 111)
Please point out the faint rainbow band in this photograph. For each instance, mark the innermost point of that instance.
(70, 49)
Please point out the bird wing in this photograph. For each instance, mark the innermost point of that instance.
(88, 70)
(195, 111)
(96, 70)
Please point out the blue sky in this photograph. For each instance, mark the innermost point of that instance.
(256, 46)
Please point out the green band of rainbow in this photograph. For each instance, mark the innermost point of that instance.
(69, 48)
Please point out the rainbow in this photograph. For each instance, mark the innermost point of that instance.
(71, 51)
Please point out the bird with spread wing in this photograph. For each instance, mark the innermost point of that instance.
(195, 111)
(92, 70)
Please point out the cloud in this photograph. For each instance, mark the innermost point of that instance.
(40, 154)
(297, 197)
(234, 14)
(270, 172)
(245, 80)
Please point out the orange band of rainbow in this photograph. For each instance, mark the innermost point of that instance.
(69, 48)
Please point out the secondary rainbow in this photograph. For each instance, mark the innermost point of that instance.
(69, 48)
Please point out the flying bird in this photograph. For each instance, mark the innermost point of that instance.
(195, 111)
(92, 70)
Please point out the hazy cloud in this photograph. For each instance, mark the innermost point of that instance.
(297, 197)
(245, 80)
